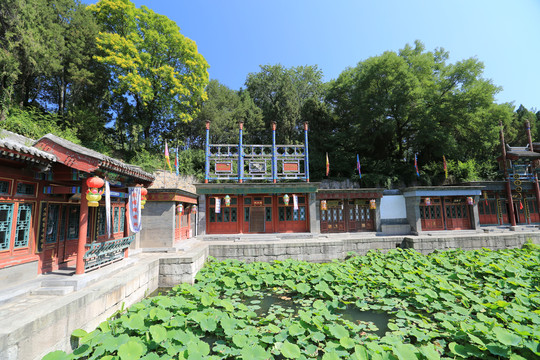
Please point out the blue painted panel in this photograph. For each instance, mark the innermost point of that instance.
(22, 233)
(6, 214)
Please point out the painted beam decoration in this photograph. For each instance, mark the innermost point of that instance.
(241, 162)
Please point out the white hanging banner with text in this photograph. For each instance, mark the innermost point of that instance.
(135, 209)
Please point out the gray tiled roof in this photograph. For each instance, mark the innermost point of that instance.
(105, 162)
(22, 145)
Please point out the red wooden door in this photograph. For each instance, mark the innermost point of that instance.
(532, 207)
(487, 212)
(226, 220)
(359, 216)
(332, 219)
(431, 216)
(457, 214)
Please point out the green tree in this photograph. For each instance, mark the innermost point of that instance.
(225, 108)
(398, 104)
(281, 94)
(153, 67)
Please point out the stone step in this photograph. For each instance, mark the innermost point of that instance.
(56, 290)
(59, 282)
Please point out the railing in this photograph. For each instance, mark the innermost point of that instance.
(240, 162)
(102, 253)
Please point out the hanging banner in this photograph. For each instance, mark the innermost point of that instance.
(108, 207)
(218, 205)
(295, 202)
(135, 209)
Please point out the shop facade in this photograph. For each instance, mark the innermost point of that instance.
(46, 222)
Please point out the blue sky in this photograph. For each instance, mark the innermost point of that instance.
(236, 36)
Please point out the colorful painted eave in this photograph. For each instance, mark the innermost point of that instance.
(443, 191)
(244, 189)
(81, 158)
(365, 193)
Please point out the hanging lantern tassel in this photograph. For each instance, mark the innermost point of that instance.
(427, 201)
(286, 199)
(93, 195)
(323, 204)
(470, 200)
(144, 192)
(372, 204)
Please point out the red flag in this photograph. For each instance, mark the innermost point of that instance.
(445, 168)
(327, 165)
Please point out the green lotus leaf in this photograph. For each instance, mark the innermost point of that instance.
(132, 350)
(347, 342)
(240, 340)
(296, 330)
(290, 351)
(506, 337)
(57, 355)
(338, 331)
(158, 332)
(256, 352)
(303, 288)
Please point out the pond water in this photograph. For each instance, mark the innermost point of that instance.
(286, 305)
(263, 304)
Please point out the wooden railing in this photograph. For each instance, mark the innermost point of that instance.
(103, 253)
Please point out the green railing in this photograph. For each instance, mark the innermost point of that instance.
(102, 253)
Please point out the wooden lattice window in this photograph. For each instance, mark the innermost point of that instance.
(24, 221)
(101, 217)
(116, 223)
(52, 223)
(4, 187)
(26, 189)
(73, 223)
(122, 218)
(6, 214)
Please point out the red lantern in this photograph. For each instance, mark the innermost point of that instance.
(93, 195)
(427, 201)
(372, 204)
(144, 191)
(470, 200)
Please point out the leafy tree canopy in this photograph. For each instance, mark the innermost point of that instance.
(155, 69)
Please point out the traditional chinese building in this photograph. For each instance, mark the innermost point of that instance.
(45, 221)
(169, 217)
(349, 210)
(516, 199)
(257, 188)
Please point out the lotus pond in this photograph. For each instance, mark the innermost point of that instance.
(447, 305)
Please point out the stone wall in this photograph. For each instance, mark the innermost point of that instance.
(167, 180)
(158, 224)
(428, 244)
(312, 250)
(176, 270)
(33, 334)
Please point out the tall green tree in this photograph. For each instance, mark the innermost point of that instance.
(281, 94)
(398, 104)
(153, 66)
(225, 108)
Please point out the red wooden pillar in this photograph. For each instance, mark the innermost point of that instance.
(126, 223)
(511, 215)
(83, 229)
